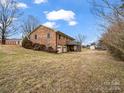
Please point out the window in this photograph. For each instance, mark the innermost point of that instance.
(48, 35)
(35, 37)
(59, 36)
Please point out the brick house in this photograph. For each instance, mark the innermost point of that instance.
(51, 38)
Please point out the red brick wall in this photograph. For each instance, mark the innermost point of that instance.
(41, 33)
(53, 41)
(63, 40)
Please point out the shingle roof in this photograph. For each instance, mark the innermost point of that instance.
(74, 43)
(53, 30)
(65, 35)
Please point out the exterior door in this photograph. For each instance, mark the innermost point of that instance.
(64, 49)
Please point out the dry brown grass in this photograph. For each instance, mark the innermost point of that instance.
(27, 71)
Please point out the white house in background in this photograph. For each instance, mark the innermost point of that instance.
(92, 47)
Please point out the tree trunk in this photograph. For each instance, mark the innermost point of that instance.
(3, 41)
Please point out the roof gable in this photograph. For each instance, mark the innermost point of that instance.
(52, 30)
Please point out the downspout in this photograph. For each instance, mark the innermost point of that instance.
(56, 42)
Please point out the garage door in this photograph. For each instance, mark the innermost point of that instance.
(59, 48)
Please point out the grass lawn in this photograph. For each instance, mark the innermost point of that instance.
(27, 71)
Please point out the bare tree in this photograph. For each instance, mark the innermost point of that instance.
(113, 15)
(108, 10)
(80, 38)
(113, 38)
(122, 6)
(8, 14)
(29, 25)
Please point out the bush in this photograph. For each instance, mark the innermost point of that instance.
(113, 39)
(26, 43)
(116, 52)
(50, 49)
(39, 47)
(43, 47)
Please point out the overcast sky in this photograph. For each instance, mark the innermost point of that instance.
(69, 16)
